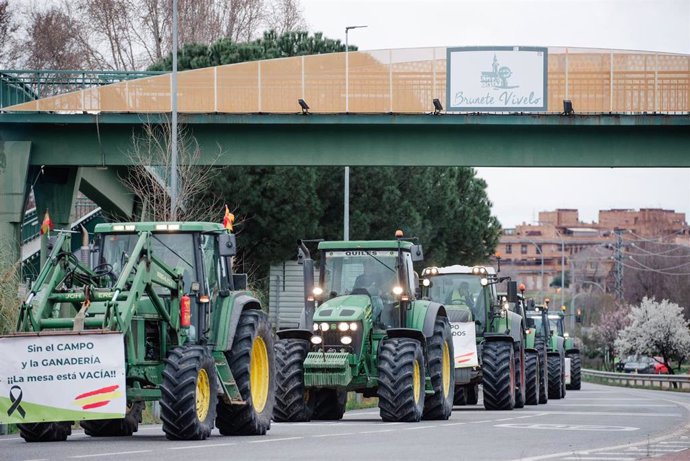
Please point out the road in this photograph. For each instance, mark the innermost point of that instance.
(596, 423)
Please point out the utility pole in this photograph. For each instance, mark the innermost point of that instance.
(618, 259)
(173, 141)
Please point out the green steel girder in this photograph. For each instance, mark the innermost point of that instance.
(523, 140)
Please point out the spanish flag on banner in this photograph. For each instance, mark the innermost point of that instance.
(47, 225)
(228, 219)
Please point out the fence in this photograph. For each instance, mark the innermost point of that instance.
(635, 379)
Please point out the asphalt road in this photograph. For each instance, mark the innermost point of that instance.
(596, 423)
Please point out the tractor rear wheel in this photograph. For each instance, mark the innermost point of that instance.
(575, 372)
(555, 376)
(498, 375)
(189, 392)
(460, 396)
(401, 380)
(45, 432)
(439, 406)
(294, 402)
(543, 371)
(122, 427)
(252, 365)
(472, 391)
(520, 378)
(330, 404)
(532, 378)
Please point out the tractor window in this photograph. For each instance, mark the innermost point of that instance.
(177, 252)
(460, 290)
(368, 272)
(116, 250)
(211, 262)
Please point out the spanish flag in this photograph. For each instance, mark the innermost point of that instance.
(47, 225)
(228, 219)
(97, 398)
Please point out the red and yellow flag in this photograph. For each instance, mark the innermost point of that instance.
(47, 225)
(228, 219)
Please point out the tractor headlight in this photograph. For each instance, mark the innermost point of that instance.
(317, 291)
(484, 281)
(426, 282)
(316, 340)
(397, 290)
(346, 340)
(343, 326)
(324, 326)
(354, 326)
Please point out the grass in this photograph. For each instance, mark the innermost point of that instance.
(357, 402)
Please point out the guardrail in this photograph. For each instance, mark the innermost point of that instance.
(637, 379)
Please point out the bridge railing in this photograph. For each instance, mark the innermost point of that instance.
(28, 85)
(639, 379)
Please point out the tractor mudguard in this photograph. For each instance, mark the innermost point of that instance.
(406, 333)
(493, 337)
(551, 353)
(230, 320)
(433, 311)
(295, 333)
(531, 350)
(572, 351)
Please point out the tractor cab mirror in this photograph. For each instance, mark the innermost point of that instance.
(512, 291)
(417, 253)
(227, 245)
(529, 321)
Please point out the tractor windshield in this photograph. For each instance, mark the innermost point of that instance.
(175, 250)
(556, 322)
(370, 272)
(459, 290)
(538, 325)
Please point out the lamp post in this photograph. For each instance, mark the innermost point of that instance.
(173, 141)
(346, 185)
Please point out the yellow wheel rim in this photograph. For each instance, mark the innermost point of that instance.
(446, 371)
(203, 395)
(416, 388)
(258, 375)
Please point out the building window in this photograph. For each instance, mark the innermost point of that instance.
(509, 248)
(523, 249)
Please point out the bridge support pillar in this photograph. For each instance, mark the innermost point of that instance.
(14, 169)
(104, 187)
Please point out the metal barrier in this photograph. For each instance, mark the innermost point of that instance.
(637, 379)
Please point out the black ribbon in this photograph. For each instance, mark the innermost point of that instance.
(16, 402)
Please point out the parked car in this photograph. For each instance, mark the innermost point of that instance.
(620, 364)
(644, 365)
(659, 367)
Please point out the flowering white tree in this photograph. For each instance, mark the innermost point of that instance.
(656, 329)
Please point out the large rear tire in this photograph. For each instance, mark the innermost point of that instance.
(330, 404)
(293, 403)
(575, 372)
(401, 380)
(439, 406)
(122, 427)
(252, 364)
(45, 432)
(532, 378)
(189, 393)
(543, 371)
(555, 376)
(498, 375)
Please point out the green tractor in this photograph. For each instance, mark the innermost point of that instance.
(158, 315)
(364, 330)
(490, 342)
(556, 353)
(538, 338)
(573, 366)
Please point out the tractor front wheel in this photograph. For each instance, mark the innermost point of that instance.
(555, 376)
(575, 372)
(122, 427)
(439, 406)
(498, 375)
(188, 394)
(252, 365)
(401, 380)
(330, 404)
(532, 378)
(45, 432)
(294, 402)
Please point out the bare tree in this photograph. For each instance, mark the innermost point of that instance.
(285, 16)
(9, 51)
(51, 41)
(9, 282)
(149, 176)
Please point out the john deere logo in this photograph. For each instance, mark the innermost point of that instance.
(498, 77)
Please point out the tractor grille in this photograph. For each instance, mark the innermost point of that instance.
(331, 341)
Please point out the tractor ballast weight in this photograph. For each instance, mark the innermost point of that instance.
(191, 335)
(496, 357)
(368, 333)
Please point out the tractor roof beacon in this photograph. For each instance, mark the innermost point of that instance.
(192, 336)
(364, 329)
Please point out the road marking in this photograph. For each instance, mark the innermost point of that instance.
(616, 405)
(114, 453)
(8, 439)
(605, 413)
(375, 432)
(619, 458)
(333, 435)
(275, 440)
(480, 422)
(607, 399)
(189, 447)
(413, 428)
(569, 427)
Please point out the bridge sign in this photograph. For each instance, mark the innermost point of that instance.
(497, 79)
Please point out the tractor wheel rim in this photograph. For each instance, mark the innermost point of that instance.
(445, 372)
(416, 387)
(203, 395)
(258, 375)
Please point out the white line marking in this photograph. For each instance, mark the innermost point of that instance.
(116, 453)
(605, 413)
(620, 458)
(413, 428)
(375, 432)
(615, 405)
(450, 424)
(480, 422)
(11, 438)
(189, 447)
(275, 440)
(333, 435)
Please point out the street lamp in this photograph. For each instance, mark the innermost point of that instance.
(346, 185)
(173, 141)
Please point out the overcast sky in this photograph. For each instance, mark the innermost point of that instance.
(650, 25)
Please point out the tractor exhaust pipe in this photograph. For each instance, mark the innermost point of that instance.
(85, 250)
(304, 258)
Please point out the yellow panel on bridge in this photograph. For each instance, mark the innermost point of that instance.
(398, 81)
